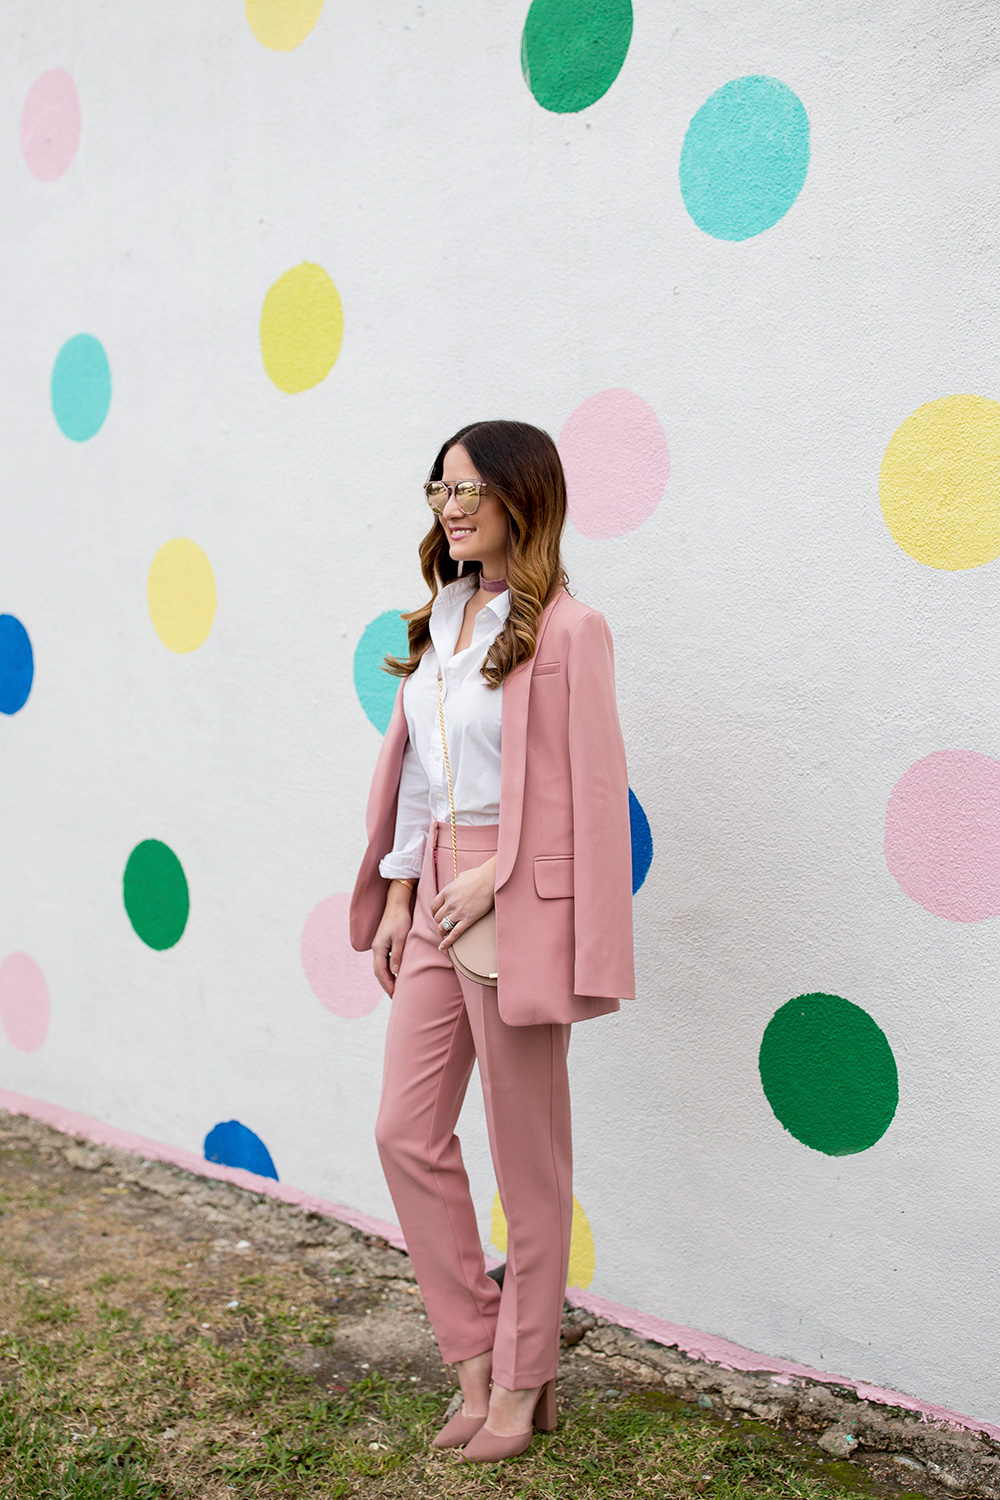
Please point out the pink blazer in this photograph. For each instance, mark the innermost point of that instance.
(564, 850)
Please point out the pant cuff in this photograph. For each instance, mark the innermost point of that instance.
(522, 1381)
(457, 1352)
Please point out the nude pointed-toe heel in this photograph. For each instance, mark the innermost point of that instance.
(488, 1448)
(457, 1431)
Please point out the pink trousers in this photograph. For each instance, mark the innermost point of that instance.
(439, 1025)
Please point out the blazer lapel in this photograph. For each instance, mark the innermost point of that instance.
(513, 748)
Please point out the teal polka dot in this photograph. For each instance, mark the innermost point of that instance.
(745, 158)
(81, 387)
(376, 688)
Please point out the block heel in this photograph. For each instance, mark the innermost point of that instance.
(546, 1418)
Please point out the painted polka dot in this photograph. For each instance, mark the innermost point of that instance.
(340, 978)
(81, 387)
(234, 1145)
(24, 1002)
(301, 326)
(573, 50)
(376, 688)
(17, 665)
(581, 1242)
(942, 834)
(617, 463)
(155, 889)
(939, 485)
(282, 24)
(744, 158)
(829, 1074)
(181, 595)
(50, 124)
(642, 841)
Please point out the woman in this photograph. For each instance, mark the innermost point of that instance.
(540, 791)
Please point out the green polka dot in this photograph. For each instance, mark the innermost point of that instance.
(387, 635)
(572, 50)
(156, 894)
(829, 1074)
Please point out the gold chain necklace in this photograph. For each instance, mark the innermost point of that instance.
(447, 771)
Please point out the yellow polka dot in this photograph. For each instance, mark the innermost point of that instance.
(181, 594)
(301, 326)
(940, 483)
(498, 1226)
(581, 1242)
(282, 24)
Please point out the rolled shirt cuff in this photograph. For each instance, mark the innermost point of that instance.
(400, 866)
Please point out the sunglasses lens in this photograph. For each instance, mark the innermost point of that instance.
(467, 496)
(437, 495)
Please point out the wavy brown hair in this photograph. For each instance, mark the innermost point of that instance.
(521, 464)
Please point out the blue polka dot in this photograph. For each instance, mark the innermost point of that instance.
(745, 158)
(17, 665)
(233, 1145)
(81, 387)
(642, 841)
(385, 636)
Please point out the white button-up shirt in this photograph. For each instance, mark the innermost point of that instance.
(472, 727)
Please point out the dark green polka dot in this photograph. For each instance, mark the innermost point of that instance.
(829, 1074)
(156, 894)
(572, 50)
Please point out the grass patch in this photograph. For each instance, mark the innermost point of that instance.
(39, 1458)
(128, 1414)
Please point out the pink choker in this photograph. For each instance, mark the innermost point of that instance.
(492, 585)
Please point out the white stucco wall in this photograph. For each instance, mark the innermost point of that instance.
(783, 658)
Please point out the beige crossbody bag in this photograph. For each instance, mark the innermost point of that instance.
(474, 951)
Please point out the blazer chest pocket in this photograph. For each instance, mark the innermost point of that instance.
(547, 668)
(554, 875)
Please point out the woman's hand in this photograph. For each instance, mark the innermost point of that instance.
(387, 945)
(465, 900)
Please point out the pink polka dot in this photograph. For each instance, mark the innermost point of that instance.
(24, 1002)
(341, 979)
(942, 834)
(617, 462)
(50, 124)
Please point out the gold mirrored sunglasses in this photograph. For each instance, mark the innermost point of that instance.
(468, 493)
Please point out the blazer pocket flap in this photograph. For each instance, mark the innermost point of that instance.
(554, 875)
(544, 668)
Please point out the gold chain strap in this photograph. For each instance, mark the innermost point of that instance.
(447, 770)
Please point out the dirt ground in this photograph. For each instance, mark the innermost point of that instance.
(92, 1238)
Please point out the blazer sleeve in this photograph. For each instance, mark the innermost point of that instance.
(602, 841)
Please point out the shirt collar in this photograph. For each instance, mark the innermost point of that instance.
(454, 596)
(446, 615)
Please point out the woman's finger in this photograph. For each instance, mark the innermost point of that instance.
(381, 967)
(396, 954)
(453, 933)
